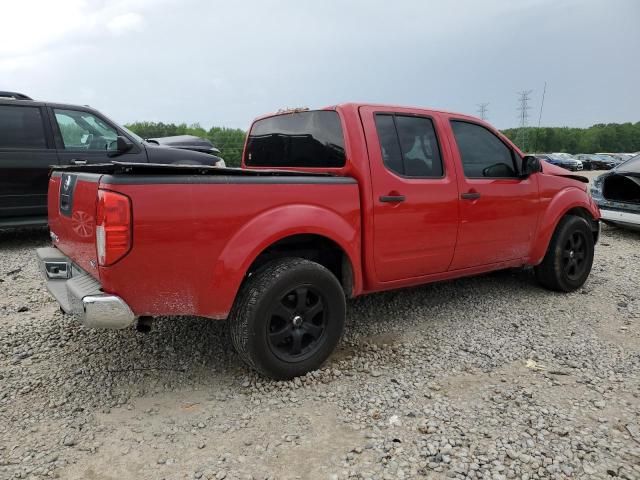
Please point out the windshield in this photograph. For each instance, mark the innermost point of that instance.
(632, 164)
(138, 138)
(299, 139)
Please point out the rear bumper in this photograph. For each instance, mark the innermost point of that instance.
(79, 294)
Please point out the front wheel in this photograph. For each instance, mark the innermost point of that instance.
(569, 258)
(288, 318)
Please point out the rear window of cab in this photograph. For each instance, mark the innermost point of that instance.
(312, 139)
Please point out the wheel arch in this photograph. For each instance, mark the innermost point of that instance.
(314, 247)
(571, 201)
(305, 231)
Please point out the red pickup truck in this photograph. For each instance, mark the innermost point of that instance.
(329, 204)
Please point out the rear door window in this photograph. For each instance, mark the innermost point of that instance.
(299, 139)
(409, 145)
(21, 127)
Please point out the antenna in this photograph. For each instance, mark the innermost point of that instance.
(535, 142)
(482, 110)
(523, 107)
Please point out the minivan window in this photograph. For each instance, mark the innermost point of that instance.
(21, 127)
(409, 145)
(483, 154)
(299, 139)
(84, 131)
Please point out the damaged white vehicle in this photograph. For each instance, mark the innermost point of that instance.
(617, 193)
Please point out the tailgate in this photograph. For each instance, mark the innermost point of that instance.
(72, 205)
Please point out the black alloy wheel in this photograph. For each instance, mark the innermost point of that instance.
(288, 317)
(567, 263)
(574, 255)
(297, 324)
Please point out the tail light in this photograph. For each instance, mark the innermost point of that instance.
(113, 227)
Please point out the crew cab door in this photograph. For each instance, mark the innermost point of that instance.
(498, 209)
(415, 195)
(83, 137)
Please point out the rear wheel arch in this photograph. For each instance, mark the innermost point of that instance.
(273, 228)
(314, 247)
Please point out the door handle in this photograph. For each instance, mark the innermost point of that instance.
(392, 198)
(76, 161)
(470, 196)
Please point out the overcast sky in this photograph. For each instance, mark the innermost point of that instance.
(223, 63)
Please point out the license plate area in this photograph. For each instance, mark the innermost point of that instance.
(57, 269)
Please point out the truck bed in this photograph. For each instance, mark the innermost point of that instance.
(127, 168)
(195, 229)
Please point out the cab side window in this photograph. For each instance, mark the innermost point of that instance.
(85, 131)
(482, 153)
(409, 145)
(21, 127)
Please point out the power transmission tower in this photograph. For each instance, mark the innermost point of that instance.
(482, 110)
(523, 107)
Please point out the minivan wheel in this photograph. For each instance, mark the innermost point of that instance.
(569, 258)
(288, 318)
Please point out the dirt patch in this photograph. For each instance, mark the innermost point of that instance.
(170, 435)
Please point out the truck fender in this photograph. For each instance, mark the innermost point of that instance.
(276, 224)
(560, 204)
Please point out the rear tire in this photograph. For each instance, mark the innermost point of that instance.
(567, 263)
(288, 318)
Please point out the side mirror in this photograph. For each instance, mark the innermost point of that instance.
(530, 165)
(122, 145)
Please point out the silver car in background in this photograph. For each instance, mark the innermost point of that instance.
(617, 194)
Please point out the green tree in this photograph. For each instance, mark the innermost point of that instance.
(611, 137)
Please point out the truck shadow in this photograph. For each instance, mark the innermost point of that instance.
(190, 352)
(23, 237)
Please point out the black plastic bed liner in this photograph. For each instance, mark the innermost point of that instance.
(127, 168)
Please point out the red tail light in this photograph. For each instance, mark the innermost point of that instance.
(113, 227)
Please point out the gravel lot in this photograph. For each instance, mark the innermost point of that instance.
(487, 377)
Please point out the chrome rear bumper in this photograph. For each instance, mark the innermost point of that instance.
(79, 294)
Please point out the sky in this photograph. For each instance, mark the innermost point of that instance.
(224, 63)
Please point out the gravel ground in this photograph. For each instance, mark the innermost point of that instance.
(486, 377)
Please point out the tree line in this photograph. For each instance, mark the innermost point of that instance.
(610, 137)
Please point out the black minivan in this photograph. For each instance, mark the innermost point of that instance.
(35, 135)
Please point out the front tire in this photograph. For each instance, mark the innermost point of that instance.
(569, 258)
(288, 318)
